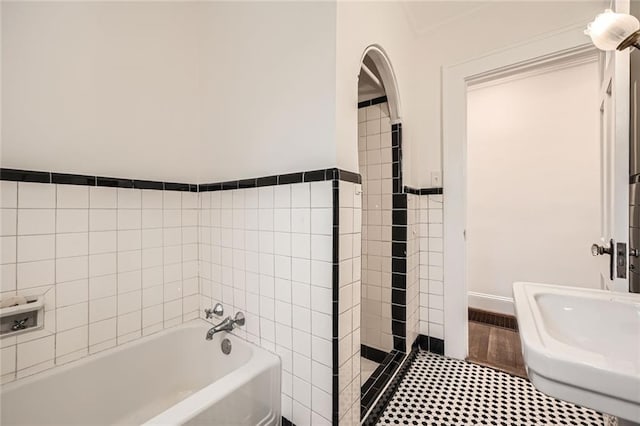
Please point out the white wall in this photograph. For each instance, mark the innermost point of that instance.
(533, 163)
(421, 37)
(177, 91)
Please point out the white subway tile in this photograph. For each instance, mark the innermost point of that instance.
(172, 310)
(72, 220)
(301, 294)
(322, 221)
(36, 195)
(73, 316)
(172, 218)
(301, 391)
(72, 340)
(8, 249)
(102, 264)
(35, 352)
(322, 248)
(102, 242)
(282, 196)
(172, 200)
(101, 309)
(189, 200)
(36, 221)
(301, 270)
(72, 292)
(151, 218)
(34, 274)
(8, 221)
(266, 197)
(129, 240)
(301, 221)
(321, 403)
(129, 198)
(129, 219)
(129, 323)
(151, 199)
(129, 302)
(7, 360)
(72, 197)
(152, 315)
(72, 268)
(301, 195)
(321, 300)
(103, 197)
(152, 296)
(321, 194)
(282, 244)
(129, 281)
(301, 245)
(69, 245)
(102, 286)
(8, 194)
(8, 277)
(301, 414)
(102, 331)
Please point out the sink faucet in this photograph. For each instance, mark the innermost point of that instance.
(226, 325)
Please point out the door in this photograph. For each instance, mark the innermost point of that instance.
(614, 172)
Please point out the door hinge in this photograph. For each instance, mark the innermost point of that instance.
(621, 260)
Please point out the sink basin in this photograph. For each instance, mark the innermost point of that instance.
(582, 346)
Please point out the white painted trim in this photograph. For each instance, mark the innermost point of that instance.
(388, 77)
(492, 303)
(579, 56)
(454, 112)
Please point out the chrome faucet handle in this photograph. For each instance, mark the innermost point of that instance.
(239, 318)
(217, 310)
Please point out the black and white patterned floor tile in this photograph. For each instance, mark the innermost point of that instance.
(447, 392)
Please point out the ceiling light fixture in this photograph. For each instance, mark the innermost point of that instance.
(611, 31)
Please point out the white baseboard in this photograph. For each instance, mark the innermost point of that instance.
(490, 302)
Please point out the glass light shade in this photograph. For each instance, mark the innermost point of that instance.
(609, 29)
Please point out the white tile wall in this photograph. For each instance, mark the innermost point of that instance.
(349, 330)
(374, 149)
(267, 252)
(431, 267)
(114, 264)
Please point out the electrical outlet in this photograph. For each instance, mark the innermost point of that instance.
(436, 180)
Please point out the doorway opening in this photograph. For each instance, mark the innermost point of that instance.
(532, 208)
(383, 330)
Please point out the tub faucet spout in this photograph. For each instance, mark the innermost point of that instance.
(226, 325)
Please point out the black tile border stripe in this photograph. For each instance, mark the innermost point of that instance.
(372, 388)
(335, 284)
(285, 179)
(18, 175)
(386, 396)
(287, 422)
(371, 102)
(373, 354)
(430, 344)
(423, 191)
(25, 176)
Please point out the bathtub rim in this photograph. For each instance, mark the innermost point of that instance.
(89, 358)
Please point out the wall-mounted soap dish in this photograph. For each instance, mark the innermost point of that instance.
(21, 313)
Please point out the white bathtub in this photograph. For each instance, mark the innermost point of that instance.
(170, 378)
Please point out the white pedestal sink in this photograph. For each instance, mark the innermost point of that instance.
(582, 346)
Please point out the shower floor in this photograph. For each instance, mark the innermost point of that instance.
(367, 367)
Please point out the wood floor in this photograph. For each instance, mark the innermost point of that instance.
(496, 347)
